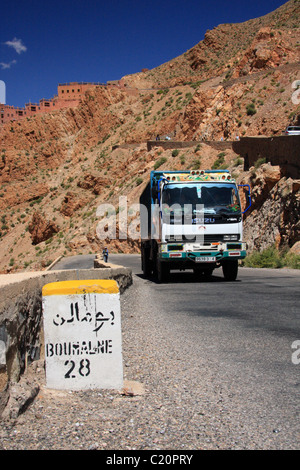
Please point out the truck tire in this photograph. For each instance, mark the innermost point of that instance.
(163, 271)
(146, 262)
(230, 270)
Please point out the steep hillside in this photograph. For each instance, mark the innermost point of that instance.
(57, 169)
(232, 50)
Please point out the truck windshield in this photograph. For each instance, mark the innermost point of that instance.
(217, 199)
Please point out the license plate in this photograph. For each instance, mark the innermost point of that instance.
(205, 259)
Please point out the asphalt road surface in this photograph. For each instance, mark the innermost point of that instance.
(267, 299)
(243, 332)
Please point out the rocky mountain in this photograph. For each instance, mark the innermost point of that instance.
(57, 169)
(234, 50)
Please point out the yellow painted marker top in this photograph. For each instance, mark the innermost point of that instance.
(89, 286)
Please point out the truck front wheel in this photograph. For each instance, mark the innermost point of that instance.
(230, 270)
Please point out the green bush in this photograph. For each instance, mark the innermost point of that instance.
(220, 161)
(163, 91)
(268, 258)
(175, 153)
(272, 258)
(251, 110)
(238, 161)
(196, 164)
(291, 260)
(159, 162)
(259, 162)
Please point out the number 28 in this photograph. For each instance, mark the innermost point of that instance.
(84, 369)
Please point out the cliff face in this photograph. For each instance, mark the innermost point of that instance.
(58, 168)
(274, 218)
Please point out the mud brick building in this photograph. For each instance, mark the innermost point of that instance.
(68, 95)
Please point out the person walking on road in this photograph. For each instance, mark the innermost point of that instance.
(105, 254)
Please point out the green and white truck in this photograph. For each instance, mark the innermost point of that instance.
(191, 220)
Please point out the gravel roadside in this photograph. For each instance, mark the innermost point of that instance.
(174, 399)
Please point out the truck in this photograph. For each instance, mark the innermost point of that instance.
(192, 220)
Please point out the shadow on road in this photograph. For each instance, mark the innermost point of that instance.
(185, 278)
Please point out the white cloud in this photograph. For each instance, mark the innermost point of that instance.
(8, 65)
(17, 45)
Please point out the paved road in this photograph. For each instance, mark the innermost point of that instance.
(265, 299)
(242, 332)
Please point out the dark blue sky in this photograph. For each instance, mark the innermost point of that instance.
(43, 43)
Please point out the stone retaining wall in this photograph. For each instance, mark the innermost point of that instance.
(174, 144)
(281, 150)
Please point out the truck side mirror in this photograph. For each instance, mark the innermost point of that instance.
(154, 192)
(247, 195)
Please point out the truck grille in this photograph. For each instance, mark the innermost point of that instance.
(204, 239)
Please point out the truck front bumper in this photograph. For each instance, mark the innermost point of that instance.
(178, 253)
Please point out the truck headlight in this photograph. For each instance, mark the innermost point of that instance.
(227, 238)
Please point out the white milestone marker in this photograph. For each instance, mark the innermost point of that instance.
(82, 330)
